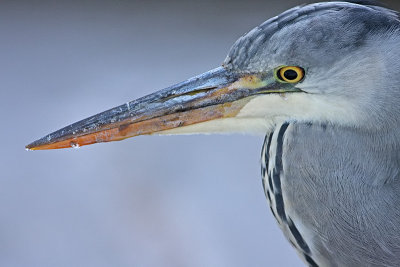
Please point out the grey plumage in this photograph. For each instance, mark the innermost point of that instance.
(342, 187)
(334, 187)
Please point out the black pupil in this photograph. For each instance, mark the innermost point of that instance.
(290, 75)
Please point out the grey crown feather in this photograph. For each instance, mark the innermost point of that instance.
(372, 13)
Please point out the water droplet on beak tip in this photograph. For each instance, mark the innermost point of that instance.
(74, 145)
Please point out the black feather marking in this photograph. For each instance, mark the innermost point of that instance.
(271, 185)
(267, 150)
(280, 207)
(273, 213)
(310, 261)
(269, 196)
(264, 169)
(299, 239)
(263, 184)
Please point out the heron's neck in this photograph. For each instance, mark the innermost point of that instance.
(368, 154)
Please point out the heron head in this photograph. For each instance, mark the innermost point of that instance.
(329, 62)
(348, 53)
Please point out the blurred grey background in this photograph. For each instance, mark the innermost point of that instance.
(146, 201)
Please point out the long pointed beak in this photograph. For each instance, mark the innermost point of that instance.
(216, 94)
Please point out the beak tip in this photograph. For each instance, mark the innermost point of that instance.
(37, 145)
(32, 146)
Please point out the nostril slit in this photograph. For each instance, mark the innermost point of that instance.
(190, 93)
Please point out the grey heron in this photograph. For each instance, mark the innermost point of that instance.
(322, 81)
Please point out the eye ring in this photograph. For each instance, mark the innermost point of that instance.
(290, 74)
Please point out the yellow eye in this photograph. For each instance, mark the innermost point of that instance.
(290, 74)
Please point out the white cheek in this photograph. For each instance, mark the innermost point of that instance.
(301, 107)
